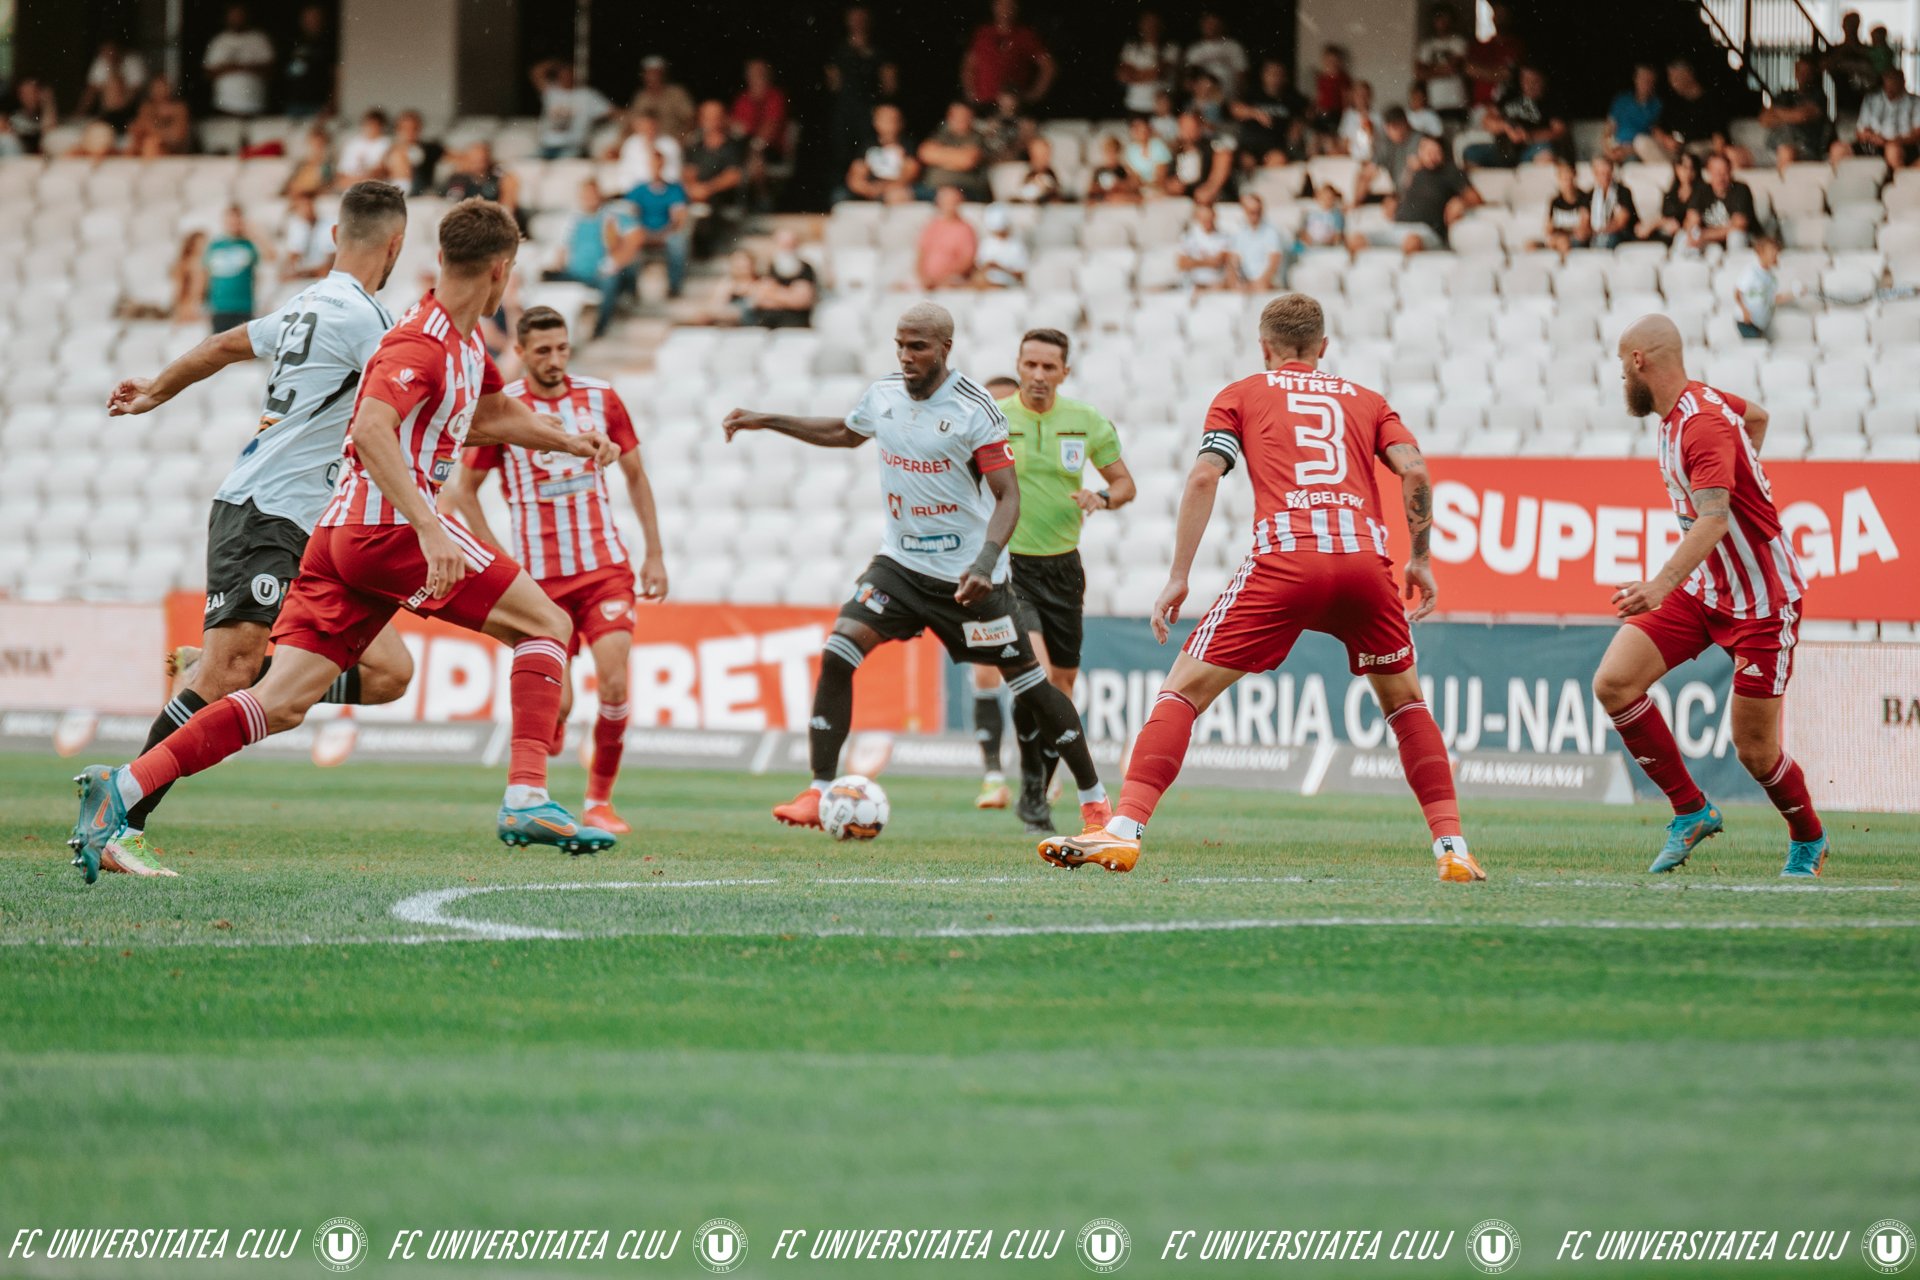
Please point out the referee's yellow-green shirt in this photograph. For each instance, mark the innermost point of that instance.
(1050, 452)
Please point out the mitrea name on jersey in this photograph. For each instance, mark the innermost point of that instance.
(933, 453)
(319, 343)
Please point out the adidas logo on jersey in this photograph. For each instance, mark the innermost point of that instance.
(1751, 669)
(1009, 652)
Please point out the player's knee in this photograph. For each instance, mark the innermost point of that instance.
(1615, 689)
(227, 674)
(282, 716)
(383, 683)
(552, 623)
(1758, 753)
(613, 688)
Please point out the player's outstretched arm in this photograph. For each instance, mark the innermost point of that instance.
(978, 580)
(208, 357)
(460, 498)
(376, 442)
(653, 566)
(498, 418)
(1189, 526)
(1712, 513)
(828, 433)
(1416, 489)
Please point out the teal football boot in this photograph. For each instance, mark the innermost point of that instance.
(1684, 833)
(550, 824)
(102, 817)
(1805, 858)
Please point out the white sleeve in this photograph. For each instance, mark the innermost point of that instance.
(264, 331)
(986, 424)
(864, 416)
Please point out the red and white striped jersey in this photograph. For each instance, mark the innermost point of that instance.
(562, 524)
(1309, 439)
(1704, 445)
(432, 378)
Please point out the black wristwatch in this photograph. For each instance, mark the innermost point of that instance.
(1106, 500)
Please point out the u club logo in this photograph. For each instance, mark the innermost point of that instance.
(340, 1244)
(720, 1245)
(1104, 1246)
(1493, 1246)
(1888, 1245)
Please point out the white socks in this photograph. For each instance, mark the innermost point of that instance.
(129, 789)
(1093, 794)
(996, 779)
(1126, 828)
(821, 784)
(519, 797)
(1449, 844)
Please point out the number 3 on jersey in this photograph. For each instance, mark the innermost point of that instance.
(1321, 432)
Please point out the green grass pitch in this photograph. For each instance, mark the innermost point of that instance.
(355, 1002)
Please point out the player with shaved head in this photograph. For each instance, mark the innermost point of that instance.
(952, 505)
(1733, 582)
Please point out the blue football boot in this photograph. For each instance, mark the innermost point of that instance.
(1684, 833)
(550, 824)
(1805, 858)
(102, 817)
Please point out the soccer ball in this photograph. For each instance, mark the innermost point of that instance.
(854, 808)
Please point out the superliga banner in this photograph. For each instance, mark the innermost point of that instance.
(694, 666)
(1508, 689)
(1554, 536)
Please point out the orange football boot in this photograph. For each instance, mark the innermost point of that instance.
(603, 817)
(1095, 845)
(801, 811)
(1454, 862)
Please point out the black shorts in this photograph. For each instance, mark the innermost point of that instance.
(900, 604)
(251, 559)
(1051, 592)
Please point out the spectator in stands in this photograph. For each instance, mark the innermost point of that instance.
(714, 170)
(237, 62)
(1114, 180)
(1632, 117)
(1040, 184)
(35, 114)
(1677, 199)
(1219, 55)
(1880, 51)
(1850, 63)
(413, 156)
(1205, 98)
(9, 142)
(364, 155)
(1721, 211)
(1001, 260)
(665, 224)
(1148, 65)
(947, 244)
(1165, 121)
(1492, 62)
(1757, 292)
(888, 171)
(1331, 90)
(115, 80)
(859, 77)
(955, 154)
(1440, 61)
(784, 297)
(1359, 123)
(1569, 223)
(307, 79)
(231, 260)
(313, 173)
(1008, 130)
(760, 119)
(1326, 223)
(1889, 123)
(1203, 166)
(568, 110)
(1394, 149)
(1421, 116)
(162, 126)
(1610, 209)
(1272, 120)
(1259, 250)
(1205, 253)
(189, 276)
(646, 145)
(733, 297)
(670, 103)
(596, 252)
(1434, 196)
(1006, 54)
(1527, 125)
(1798, 124)
(476, 173)
(1691, 120)
(97, 142)
(306, 240)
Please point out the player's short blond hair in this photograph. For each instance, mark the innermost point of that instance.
(1293, 322)
(475, 232)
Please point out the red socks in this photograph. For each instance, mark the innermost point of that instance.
(215, 732)
(1648, 739)
(1786, 786)
(539, 665)
(1423, 758)
(1157, 755)
(609, 741)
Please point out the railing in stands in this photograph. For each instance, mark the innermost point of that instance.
(1763, 37)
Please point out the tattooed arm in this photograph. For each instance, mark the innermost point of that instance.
(1416, 487)
(1712, 513)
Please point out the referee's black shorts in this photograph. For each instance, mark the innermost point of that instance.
(1052, 595)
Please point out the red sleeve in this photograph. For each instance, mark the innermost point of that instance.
(1224, 413)
(1706, 451)
(620, 426)
(483, 457)
(1389, 430)
(992, 457)
(490, 379)
(404, 371)
(1736, 403)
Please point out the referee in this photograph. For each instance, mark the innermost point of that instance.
(1054, 439)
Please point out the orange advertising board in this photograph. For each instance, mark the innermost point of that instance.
(695, 666)
(1554, 536)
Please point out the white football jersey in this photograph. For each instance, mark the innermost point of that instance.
(320, 341)
(933, 453)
